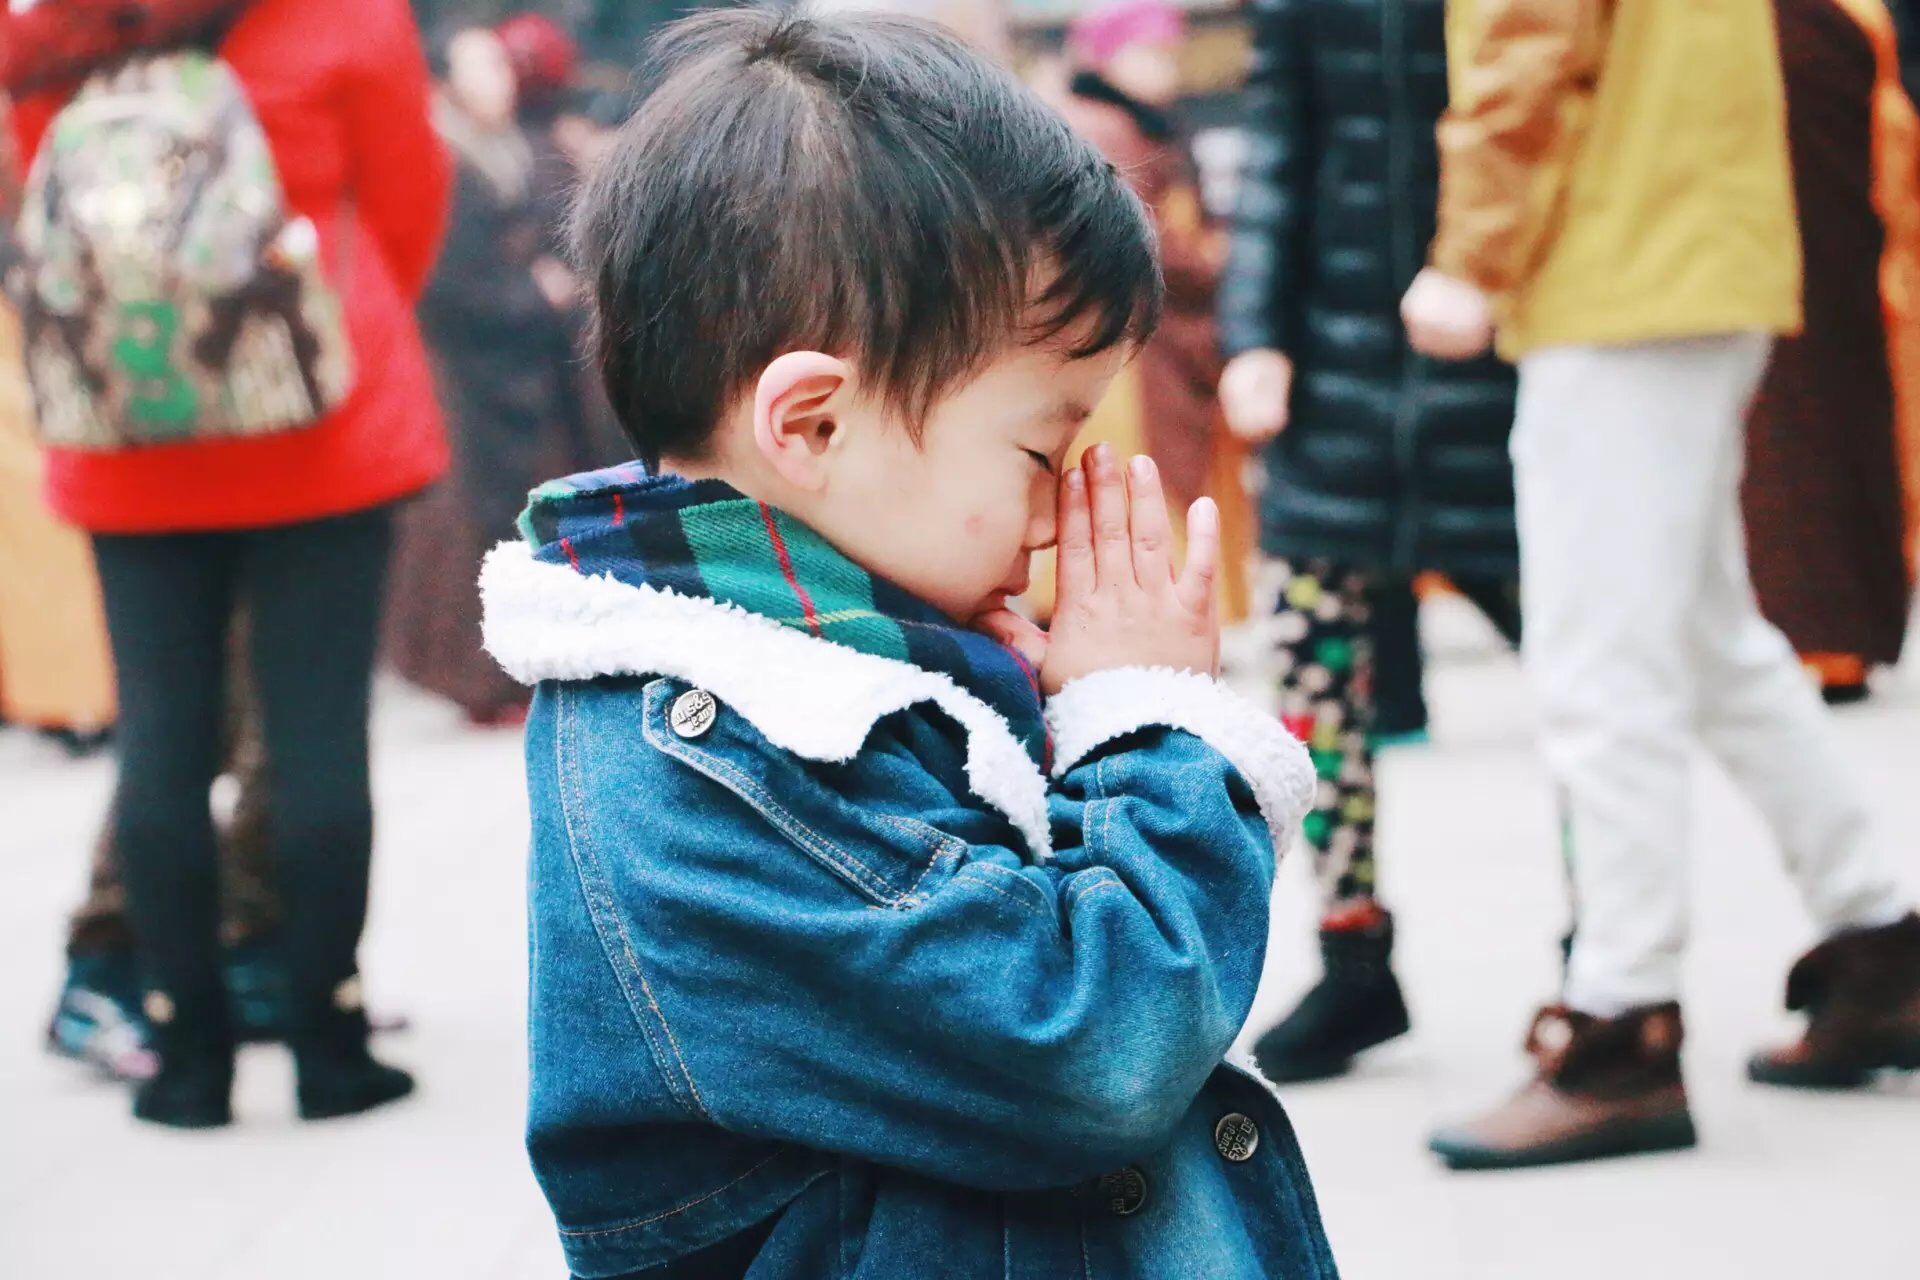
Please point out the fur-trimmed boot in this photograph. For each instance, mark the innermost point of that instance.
(1860, 991)
(1604, 1087)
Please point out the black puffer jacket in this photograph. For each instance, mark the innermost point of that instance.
(1390, 460)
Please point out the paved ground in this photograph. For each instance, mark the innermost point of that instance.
(1785, 1186)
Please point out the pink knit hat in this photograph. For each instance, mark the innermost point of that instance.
(1104, 30)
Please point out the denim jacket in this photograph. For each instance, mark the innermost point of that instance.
(829, 980)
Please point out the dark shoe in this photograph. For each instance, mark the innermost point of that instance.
(1845, 695)
(1842, 677)
(335, 1073)
(80, 744)
(193, 1088)
(257, 994)
(258, 991)
(1606, 1087)
(1860, 991)
(1356, 1006)
(97, 1019)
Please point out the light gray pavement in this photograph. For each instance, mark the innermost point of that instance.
(1784, 1187)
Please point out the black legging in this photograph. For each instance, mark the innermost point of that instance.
(1399, 677)
(312, 592)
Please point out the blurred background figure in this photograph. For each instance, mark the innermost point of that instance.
(568, 124)
(1833, 482)
(497, 314)
(543, 61)
(55, 672)
(1641, 323)
(982, 23)
(1382, 463)
(1117, 85)
(224, 485)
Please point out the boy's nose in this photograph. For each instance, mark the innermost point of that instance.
(1043, 532)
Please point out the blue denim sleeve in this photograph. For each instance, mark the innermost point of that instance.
(840, 958)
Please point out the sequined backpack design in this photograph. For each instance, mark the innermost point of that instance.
(166, 291)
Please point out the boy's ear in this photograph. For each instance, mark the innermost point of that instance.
(796, 410)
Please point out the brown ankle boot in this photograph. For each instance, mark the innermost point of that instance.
(1606, 1087)
(1860, 991)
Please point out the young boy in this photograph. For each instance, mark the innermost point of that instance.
(851, 955)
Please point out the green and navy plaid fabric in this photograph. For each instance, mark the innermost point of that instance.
(705, 539)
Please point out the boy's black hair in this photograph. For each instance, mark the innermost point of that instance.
(861, 184)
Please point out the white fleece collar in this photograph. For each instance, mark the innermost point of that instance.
(812, 697)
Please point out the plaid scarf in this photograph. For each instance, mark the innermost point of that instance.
(705, 539)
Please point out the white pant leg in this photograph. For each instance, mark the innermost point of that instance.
(1617, 455)
(1761, 717)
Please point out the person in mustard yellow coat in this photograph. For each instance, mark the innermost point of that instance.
(1616, 200)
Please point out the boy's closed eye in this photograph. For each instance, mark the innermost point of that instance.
(1061, 422)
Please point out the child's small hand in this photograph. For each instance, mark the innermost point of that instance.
(1119, 602)
(1020, 634)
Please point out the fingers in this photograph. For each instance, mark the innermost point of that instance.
(1195, 587)
(1074, 577)
(1147, 520)
(1107, 500)
(1016, 633)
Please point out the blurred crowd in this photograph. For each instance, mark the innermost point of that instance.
(214, 600)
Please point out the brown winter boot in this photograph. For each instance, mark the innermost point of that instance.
(1860, 991)
(1606, 1087)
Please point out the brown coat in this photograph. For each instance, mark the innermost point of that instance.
(1179, 366)
(1163, 404)
(1829, 532)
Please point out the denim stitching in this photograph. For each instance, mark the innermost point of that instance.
(1089, 880)
(738, 781)
(596, 899)
(990, 888)
(947, 849)
(677, 1209)
(646, 988)
(1106, 806)
(601, 908)
(1047, 904)
(1088, 893)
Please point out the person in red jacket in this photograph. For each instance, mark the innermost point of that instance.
(292, 527)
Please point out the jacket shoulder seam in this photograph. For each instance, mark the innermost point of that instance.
(579, 848)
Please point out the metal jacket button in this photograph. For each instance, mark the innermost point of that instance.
(1124, 1190)
(693, 713)
(1236, 1137)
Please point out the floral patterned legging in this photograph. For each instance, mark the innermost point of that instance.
(1324, 638)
